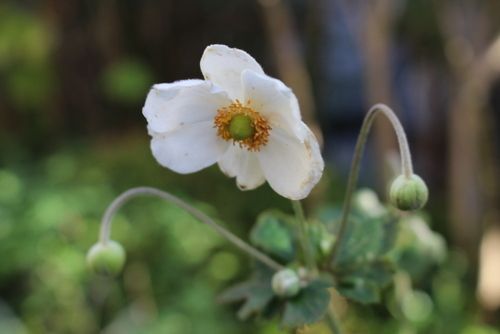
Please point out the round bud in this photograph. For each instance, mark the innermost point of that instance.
(106, 259)
(286, 283)
(408, 193)
(241, 127)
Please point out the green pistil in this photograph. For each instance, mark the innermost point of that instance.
(241, 127)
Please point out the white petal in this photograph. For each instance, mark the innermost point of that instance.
(189, 148)
(275, 101)
(223, 66)
(244, 165)
(183, 102)
(292, 167)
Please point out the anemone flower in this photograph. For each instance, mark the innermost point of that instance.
(246, 121)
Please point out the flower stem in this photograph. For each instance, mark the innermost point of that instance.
(149, 191)
(406, 164)
(303, 235)
(331, 320)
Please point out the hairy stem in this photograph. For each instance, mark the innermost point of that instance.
(149, 191)
(305, 243)
(406, 164)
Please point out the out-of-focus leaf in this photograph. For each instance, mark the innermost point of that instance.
(360, 290)
(127, 81)
(362, 241)
(236, 292)
(321, 239)
(309, 306)
(256, 302)
(378, 272)
(24, 37)
(418, 249)
(31, 86)
(256, 293)
(417, 307)
(361, 267)
(330, 217)
(11, 187)
(364, 283)
(272, 233)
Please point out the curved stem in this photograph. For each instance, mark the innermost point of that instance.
(149, 191)
(305, 244)
(406, 164)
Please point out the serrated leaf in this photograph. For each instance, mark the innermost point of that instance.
(256, 293)
(361, 269)
(366, 239)
(236, 292)
(307, 307)
(365, 282)
(272, 233)
(378, 272)
(256, 301)
(362, 241)
(369, 235)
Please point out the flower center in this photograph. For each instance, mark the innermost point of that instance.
(243, 125)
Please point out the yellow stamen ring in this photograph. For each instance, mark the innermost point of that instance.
(251, 140)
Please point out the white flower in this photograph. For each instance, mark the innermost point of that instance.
(246, 121)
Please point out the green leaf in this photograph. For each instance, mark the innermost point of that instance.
(361, 269)
(236, 293)
(258, 299)
(418, 249)
(365, 282)
(361, 241)
(379, 272)
(371, 232)
(360, 290)
(321, 239)
(309, 306)
(330, 217)
(273, 234)
(256, 293)
(366, 239)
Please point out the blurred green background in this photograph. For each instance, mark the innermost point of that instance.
(73, 78)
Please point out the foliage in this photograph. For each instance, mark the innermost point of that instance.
(387, 257)
(49, 215)
(49, 218)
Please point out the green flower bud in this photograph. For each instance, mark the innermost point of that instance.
(286, 283)
(408, 193)
(106, 259)
(241, 127)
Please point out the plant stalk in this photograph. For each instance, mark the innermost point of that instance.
(406, 164)
(304, 240)
(331, 320)
(149, 191)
